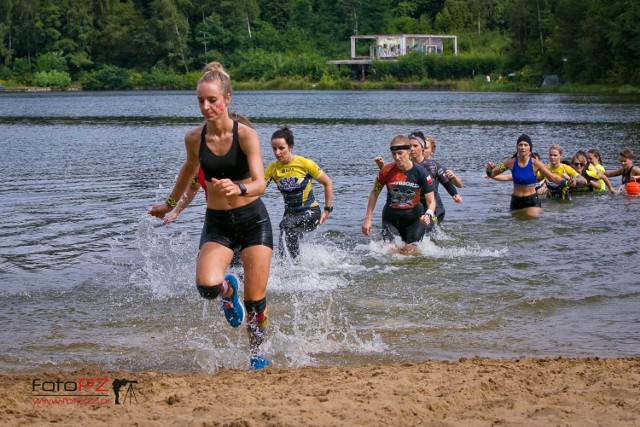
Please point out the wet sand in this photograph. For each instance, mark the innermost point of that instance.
(470, 392)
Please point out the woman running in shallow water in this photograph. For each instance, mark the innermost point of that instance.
(293, 174)
(629, 171)
(230, 156)
(403, 213)
(524, 169)
(419, 143)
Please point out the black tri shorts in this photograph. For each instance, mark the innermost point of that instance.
(238, 228)
(403, 222)
(532, 201)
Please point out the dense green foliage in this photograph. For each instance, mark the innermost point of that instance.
(123, 44)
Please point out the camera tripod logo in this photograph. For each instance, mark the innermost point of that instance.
(129, 394)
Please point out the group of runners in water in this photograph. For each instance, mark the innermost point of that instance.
(413, 205)
(559, 179)
(223, 157)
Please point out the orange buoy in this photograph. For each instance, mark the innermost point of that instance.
(632, 187)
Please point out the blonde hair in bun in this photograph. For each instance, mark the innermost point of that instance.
(214, 72)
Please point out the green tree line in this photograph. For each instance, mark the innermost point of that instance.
(121, 44)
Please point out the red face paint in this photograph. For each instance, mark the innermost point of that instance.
(218, 107)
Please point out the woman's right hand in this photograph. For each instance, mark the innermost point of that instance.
(366, 227)
(159, 210)
(379, 161)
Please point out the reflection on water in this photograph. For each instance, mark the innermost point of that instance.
(88, 277)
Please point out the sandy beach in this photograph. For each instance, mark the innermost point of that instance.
(470, 392)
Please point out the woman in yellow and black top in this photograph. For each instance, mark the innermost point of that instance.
(594, 180)
(293, 174)
(559, 168)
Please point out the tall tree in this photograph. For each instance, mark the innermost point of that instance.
(454, 17)
(529, 25)
(6, 41)
(123, 39)
(624, 38)
(431, 8)
(563, 53)
(278, 12)
(77, 34)
(24, 37)
(487, 14)
(171, 29)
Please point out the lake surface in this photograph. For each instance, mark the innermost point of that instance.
(87, 277)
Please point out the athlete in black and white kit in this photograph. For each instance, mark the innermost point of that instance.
(403, 212)
(231, 160)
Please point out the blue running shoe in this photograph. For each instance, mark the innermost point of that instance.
(259, 362)
(233, 308)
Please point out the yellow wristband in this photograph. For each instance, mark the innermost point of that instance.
(171, 202)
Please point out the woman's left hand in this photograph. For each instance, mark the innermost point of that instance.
(159, 210)
(425, 219)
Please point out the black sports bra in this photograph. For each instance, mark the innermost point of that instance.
(232, 165)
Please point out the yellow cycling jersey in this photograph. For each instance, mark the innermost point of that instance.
(294, 181)
(562, 169)
(594, 172)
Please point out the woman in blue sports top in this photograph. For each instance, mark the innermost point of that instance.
(230, 156)
(293, 174)
(524, 169)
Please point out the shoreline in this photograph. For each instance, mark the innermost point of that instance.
(373, 86)
(470, 392)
